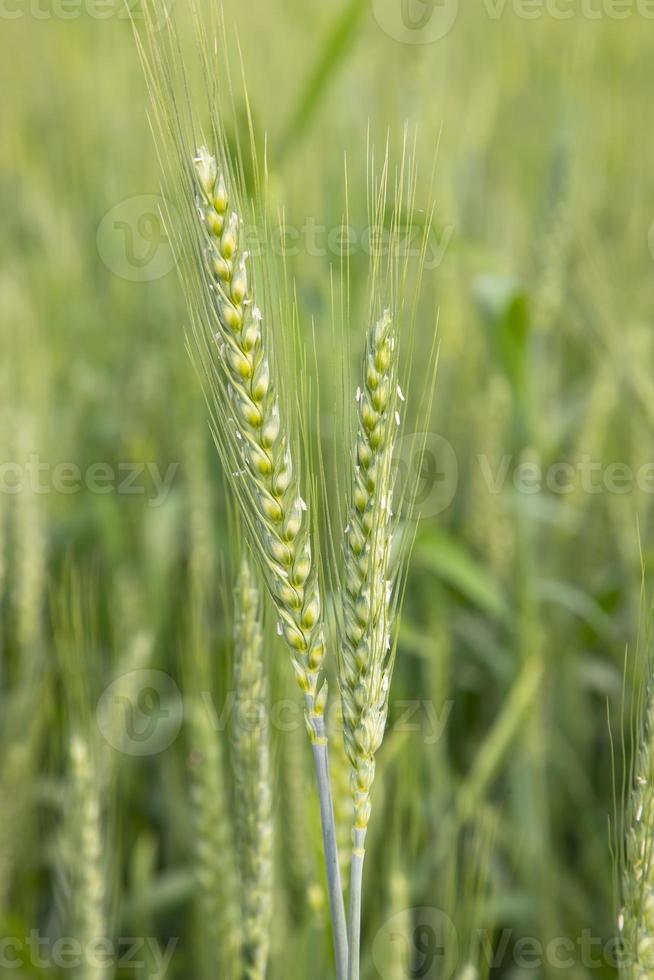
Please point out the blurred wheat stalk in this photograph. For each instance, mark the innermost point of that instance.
(636, 919)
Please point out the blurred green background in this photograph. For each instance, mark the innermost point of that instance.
(495, 792)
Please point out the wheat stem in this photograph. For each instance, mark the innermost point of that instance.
(330, 845)
(356, 886)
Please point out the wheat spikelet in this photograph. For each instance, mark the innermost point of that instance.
(252, 771)
(218, 899)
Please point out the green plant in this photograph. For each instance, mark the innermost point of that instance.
(636, 919)
(252, 774)
(369, 595)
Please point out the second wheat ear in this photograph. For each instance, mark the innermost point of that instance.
(257, 437)
(366, 661)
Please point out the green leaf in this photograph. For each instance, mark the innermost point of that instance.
(451, 561)
(504, 307)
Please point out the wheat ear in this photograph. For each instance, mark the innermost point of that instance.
(637, 917)
(366, 660)
(274, 510)
(252, 776)
(256, 439)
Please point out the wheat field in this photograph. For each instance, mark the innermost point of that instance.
(326, 486)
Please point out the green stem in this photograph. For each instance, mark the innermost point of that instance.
(336, 904)
(356, 881)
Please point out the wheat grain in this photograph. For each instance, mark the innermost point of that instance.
(252, 771)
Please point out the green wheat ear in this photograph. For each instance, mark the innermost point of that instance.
(369, 603)
(256, 438)
(366, 657)
(636, 921)
(253, 437)
(252, 773)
